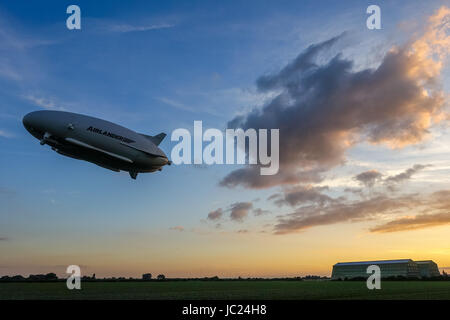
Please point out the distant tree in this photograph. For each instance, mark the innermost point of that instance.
(51, 276)
(147, 276)
(17, 278)
(93, 276)
(36, 277)
(161, 277)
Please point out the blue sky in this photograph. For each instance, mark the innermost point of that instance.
(154, 66)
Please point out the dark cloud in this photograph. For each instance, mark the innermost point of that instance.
(342, 211)
(431, 210)
(301, 195)
(405, 175)
(4, 238)
(357, 191)
(368, 178)
(324, 108)
(371, 177)
(314, 208)
(260, 212)
(239, 210)
(250, 177)
(216, 214)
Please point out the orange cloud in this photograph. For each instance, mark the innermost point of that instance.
(323, 109)
(412, 223)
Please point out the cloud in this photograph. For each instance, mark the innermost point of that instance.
(176, 104)
(326, 107)
(301, 195)
(411, 223)
(6, 134)
(46, 103)
(177, 228)
(314, 208)
(405, 175)
(239, 210)
(250, 177)
(356, 191)
(430, 210)
(9, 72)
(260, 212)
(11, 40)
(372, 177)
(123, 28)
(16, 53)
(436, 212)
(4, 239)
(368, 178)
(215, 215)
(342, 211)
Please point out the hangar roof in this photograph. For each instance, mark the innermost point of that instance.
(373, 262)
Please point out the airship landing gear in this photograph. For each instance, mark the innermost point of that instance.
(45, 138)
(133, 175)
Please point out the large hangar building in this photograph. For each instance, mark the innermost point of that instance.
(427, 269)
(389, 268)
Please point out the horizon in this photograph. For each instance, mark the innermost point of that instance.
(65, 275)
(364, 141)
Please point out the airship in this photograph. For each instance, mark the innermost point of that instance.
(98, 141)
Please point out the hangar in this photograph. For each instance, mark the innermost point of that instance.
(389, 268)
(427, 269)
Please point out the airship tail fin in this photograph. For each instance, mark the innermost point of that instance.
(155, 139)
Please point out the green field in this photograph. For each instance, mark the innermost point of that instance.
(227, 290)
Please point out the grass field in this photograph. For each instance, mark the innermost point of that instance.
(227, 290)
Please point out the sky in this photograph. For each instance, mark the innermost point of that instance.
(364, 136)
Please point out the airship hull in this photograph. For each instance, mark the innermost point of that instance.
(98, 141)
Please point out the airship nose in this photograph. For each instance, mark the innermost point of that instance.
(31, 121)
(27, 121)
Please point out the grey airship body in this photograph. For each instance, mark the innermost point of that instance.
(101, 142)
